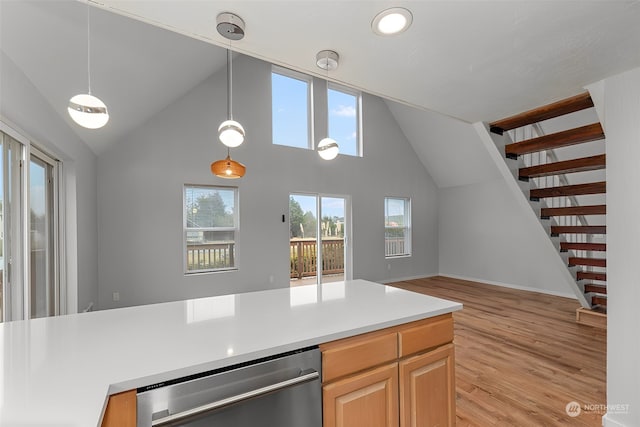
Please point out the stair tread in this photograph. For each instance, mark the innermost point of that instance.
(569, 190)
(599, 300)
(578, 229)
(593, 262)
(582, 164)
(592, 275)
(588, 133)
(559, 108)
(592, 287)
(583, 246)
(574, 210)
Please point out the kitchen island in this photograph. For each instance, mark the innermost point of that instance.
(61, 371)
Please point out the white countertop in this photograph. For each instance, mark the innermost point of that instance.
(59, 371)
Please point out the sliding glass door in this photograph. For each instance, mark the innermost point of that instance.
(318, 249)
(42, 272)
(28, 233)
(13, 295)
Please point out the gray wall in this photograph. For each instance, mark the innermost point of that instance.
(23, 107)
(485, 236)
(621, 111)
(140, 195)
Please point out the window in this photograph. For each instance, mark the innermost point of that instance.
(30, 255)
(344, 119)
(397, 227)
(291, 108)
(210, 228)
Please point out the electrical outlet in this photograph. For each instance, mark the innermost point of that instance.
(116, 296)
(389, 266)
(271, 279)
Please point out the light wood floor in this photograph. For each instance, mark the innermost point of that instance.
(520, 356)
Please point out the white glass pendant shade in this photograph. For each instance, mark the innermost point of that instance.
(328, 149)
(88, 111)
(231, 133)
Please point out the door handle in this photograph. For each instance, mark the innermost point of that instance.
(304, 377)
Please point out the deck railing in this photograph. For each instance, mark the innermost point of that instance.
(303, 255)
(394, 246)
(209, 256)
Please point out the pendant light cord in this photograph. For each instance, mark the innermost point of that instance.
(327, 64)
(88, 47)
(229, 85)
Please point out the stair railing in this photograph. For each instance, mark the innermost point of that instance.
(549, 156)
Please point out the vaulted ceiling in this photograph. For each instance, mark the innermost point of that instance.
(470, 60)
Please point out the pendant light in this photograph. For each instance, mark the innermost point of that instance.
(230, 132)
(85, 109)
(228, 168)
(327, 60)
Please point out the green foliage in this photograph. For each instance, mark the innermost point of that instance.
(309, 224)
(295, 218)
(209, 211)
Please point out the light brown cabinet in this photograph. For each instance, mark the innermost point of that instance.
(369, 399)
(121, 410)
(427, 389)
(402, 376)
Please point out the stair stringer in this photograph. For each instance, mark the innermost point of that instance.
(509, 170)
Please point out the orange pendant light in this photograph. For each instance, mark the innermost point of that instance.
(228, 168)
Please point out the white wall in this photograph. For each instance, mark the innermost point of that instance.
(485, 236)
(622, 113)
(449, 148)
(140, 195)
(24, 108)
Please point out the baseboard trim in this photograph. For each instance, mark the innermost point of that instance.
(608, 422)
(508, 285)
(404, 279)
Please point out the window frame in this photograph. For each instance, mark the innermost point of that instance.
(235, 229)
(286, 72)
(407, 227)
(358, 95)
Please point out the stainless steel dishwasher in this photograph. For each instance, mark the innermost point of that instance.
(279, 391)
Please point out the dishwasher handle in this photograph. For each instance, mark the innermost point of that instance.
(305, 376)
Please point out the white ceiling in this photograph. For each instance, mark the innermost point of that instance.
(472, 60)
(136, 69)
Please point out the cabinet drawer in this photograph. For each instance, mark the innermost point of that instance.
(355, 354)
(431, 333)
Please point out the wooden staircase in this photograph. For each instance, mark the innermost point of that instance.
(557, 188)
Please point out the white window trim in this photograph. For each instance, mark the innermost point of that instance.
(358, 95)
(408, 227)
(275, 69)
(65, 288)
(236, 230)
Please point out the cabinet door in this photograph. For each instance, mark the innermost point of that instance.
(369, 399)
(121, 410)
(427, 389)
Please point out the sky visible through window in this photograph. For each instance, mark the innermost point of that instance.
(343, 121)
(395, 210)
(289, 106)
(331, 206)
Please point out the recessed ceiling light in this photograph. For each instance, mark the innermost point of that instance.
(392, 21)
